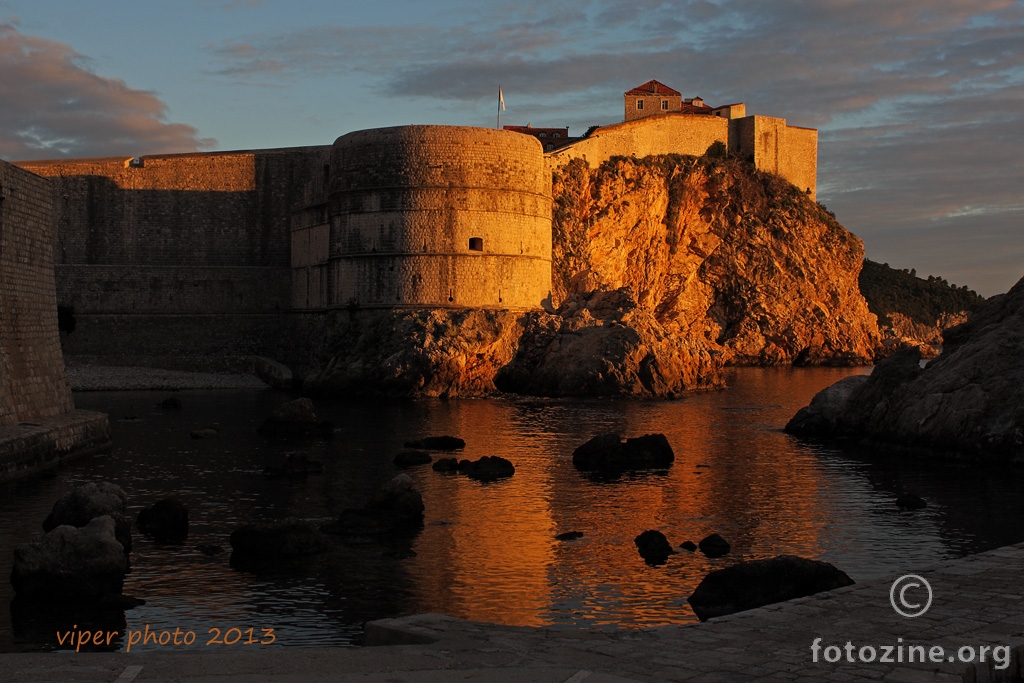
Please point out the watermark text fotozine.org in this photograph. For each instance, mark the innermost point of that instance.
(909, 654)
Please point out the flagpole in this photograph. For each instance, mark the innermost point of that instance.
(499, 109)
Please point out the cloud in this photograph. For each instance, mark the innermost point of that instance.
(52, 105)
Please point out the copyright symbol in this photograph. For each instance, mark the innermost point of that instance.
(902, 597)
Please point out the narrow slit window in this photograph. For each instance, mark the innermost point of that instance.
(476, 243)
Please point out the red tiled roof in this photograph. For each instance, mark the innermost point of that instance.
(653, 87)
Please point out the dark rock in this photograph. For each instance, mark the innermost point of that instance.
(71, 564)
(446, 465)
(653, 547)
(166, 521)
(207, 433)
(823, 416)
(86, 502)
(295, 419)
(438, 443)
(714, 546)
(275, 541)
(763, 582)
(689, 546)
(412, 459)
(171, 403)
(908, 501)
(487, 468)
(296, 465)
(966, 403)
(607, 453)
(569, 536)
(396, 510)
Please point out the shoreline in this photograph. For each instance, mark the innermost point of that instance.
(89, 377)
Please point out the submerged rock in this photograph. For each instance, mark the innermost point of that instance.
(295, 419)
(71, 564)
(748, 585)
(446, 465)
(608, 453)
(296, 465)
(569, 536)
(909, 501)
(412, 459)
(487, 468)
(166, 521)
(437, 443)
(266, 544)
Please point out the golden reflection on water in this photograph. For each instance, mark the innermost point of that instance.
(488, 551)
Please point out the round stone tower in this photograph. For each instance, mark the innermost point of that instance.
(439, 216)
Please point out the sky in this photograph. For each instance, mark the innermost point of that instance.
(919, 103)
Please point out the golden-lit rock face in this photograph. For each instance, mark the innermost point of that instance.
(719, 254)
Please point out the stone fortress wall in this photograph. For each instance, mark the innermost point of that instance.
(768, 142)
(427, 216)
(39, 425)
(171, 258)
(189, 252)
(33, 383)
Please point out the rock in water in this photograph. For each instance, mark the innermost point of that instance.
(71, 564)
(438, 443)
(653, 547)
(166, 521)
(90, 501)
(294, 419)
(908, 501)
(569, 536)
(763, 582)
(412, 459)
(608, 454)
(446, 465)
(714, 546)
(395, 510)
(967, 402)
(296, 466)
(487, 468)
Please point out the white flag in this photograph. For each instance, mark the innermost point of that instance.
(501, 99)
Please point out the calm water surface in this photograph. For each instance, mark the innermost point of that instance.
(487, 551)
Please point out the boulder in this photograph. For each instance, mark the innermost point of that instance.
(688, 546)
(748, 585)
(714, 546)
(295, 465)
(822, 417)
(437, 443)
(487, 468)
(71, 564)
(395, 510)
(295, 419)
(272, 542)
(608, 454)
(86, 502)
(412, 459)
(653, 547)
(166, 521)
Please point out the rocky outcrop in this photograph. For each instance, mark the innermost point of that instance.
(89, 501)
(763, 582)
(437, 353)
(71, 564)
(664, 269)
(969, 401)
(902, 332)
(719, 254)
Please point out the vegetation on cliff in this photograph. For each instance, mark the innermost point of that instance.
(889, 290)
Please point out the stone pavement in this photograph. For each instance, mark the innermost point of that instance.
(976, 601)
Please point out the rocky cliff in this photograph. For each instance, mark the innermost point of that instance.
(664, 270)
(969, 401)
